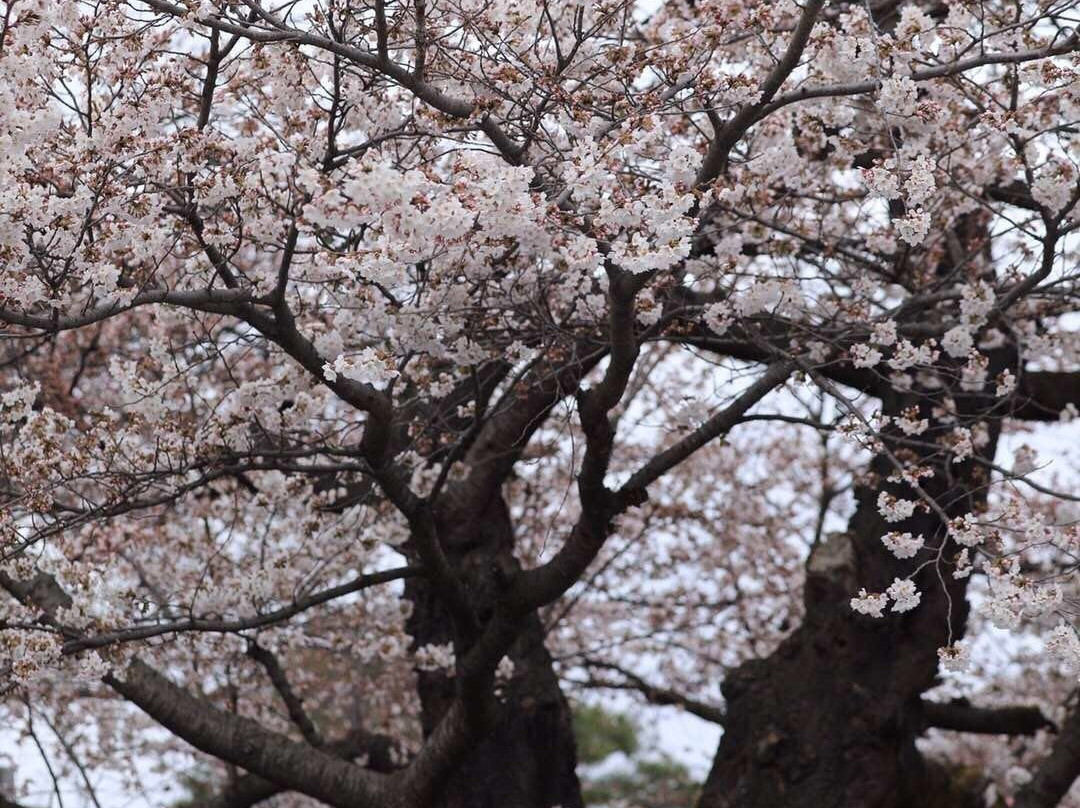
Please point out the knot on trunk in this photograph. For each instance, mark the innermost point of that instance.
(833, 559)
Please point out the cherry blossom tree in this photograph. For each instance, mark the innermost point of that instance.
(377, 376)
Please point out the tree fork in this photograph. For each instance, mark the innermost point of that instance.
(831, 716)
(528, 757)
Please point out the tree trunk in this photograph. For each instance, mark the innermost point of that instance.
(529, 759)
(831, 717)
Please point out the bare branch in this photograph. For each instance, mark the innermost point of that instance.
(293, 703)
(654, 695)
(960, 716)
(242, 624)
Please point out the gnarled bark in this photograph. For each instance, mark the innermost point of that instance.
(830, 718)
(1056, 773)
(528, 758)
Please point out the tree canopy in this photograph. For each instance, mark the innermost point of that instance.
(377, 375)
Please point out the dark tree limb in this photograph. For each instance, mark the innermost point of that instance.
(1055, 774)
(946, 70)
(1042, 395)
(660, 696)
(233, 626)
(244, 743)
(211, 301)
(961, 716)
(376, 750)
(230, 738)
(715, 426)
(542, 585)
(379, 62)
(1015, 193)
(293, 703)
(731, 132)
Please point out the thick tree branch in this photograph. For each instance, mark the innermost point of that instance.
(1016, 193)
(212, 301)
(376, 752)
(229, 737)
(1055, 774)
(1042, 395)
(282, 330)
(498, 443)
(244, 743)
(1070, 45)
(961, 716)
(541, 585)
(731, 132)
(715, 426)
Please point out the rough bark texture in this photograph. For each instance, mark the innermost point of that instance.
(529, 758)
(1057, 772)
(830, 718)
